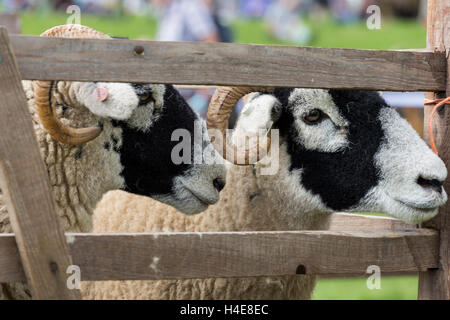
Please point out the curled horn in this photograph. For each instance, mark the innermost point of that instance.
(219, 111)
(43, 93)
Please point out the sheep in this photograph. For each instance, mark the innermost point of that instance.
(124, 143)
(338, 151)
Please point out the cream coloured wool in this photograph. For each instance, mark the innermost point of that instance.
(245, 204)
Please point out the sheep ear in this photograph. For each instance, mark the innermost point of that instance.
(259, 113)
(109, 100)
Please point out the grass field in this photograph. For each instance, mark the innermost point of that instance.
(393, 35)
(392, 288)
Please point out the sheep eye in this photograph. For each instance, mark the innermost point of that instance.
(313, 117)
(145, 98)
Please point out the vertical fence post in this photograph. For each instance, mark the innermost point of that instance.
(28, 194)
(435, 284)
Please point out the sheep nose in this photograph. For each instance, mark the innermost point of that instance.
(218, 184)
(434, 184)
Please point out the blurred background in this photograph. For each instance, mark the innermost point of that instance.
(319, 23)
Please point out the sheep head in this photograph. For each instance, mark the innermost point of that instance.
(347, 151)
(131, 146)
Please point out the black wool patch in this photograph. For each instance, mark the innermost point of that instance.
(146, 156)
(79, 153)
(342, 178)
(115, 143)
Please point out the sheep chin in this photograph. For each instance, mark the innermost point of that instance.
(379, 201)
(189, 205)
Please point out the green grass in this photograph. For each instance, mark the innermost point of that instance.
(392, 288)
(393, 35)
(34, 23)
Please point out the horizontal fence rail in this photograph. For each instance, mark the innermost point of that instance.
(358, 222)
(232, 254)
(228, 64)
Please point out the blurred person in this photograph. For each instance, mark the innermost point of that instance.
(60, 4)
(18, 5)
(284, 20)
(135, 7)
(254, 8)
(400, 8)
(423, 11)
(99, 6)
(319, 11)
(227, 9)
(347, 11)
(222, 11)
(186, 20)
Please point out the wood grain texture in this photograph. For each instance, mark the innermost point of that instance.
(435, 284)
(12, 22)
(339, 222)
(11, 269)
(232, 254)
(359, 222)
(228, 64)
(25, 184)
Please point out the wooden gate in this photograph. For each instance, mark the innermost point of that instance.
(39, 252)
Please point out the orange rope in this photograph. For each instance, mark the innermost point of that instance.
(440, 103)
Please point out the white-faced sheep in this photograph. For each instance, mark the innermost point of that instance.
(127, 146)
(338, 151)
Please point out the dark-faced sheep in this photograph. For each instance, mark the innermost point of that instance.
(122, 141)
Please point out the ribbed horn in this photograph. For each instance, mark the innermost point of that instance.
(219, 111)
(43, 93)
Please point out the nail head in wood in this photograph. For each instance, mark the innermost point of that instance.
(53, 267)
(301, 269)
(139, 50)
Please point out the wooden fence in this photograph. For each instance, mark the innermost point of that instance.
(40, 253)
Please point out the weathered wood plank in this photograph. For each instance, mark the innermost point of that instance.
(230, 254)
(435, 284)
(25, 184)
(227, 64)
(11, 269)
(12, 22)
(359, 222)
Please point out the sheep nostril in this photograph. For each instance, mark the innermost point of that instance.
(430, 183)
(218, 184)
